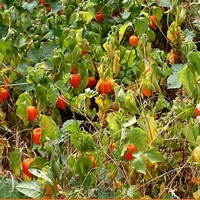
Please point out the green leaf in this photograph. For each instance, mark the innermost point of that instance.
(173, 81)
(129, 57)
(15, 161)
(40, 92)
(164, 3)
(194, 60)
(114, 122)
(92, 37)
(139, 165)
(34, 55)
(188, 79)
(83, 165)
(130, 122)
(161, 103)
(47, 51)
(40, 174)
(29, 6)
(23, 68)
(8, 189)
(138, 137)
(52, 95)
(141, 25)
(38, 162)
(56, 166)
(62, 87)
(32, 189)
(34, 75)
(158, 13)
(153, 155)
(122, 30)
(133, 192)
(125, 14)
(6, 48)
(87, 16)
(21, 112)
(73, 126)
(191, 133)
(47, 123)
(83, 141)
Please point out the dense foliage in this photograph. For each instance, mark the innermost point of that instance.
(99, 99)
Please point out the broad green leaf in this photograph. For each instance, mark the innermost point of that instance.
(24, 99)
(62, 87)
(92, 37)
(32, 189)
(130, 122)
(188, 80)
(6, 48)
(55, 7)
(8, 189)
(47, 51)
(158, 13)
(87, 16)
(15, 161)
(153, 155)
(40, 92)
(121, 96)
(47, 123)
(191, 133)
(138, 137)
(161, 103)
(21, 112)
(52, 95)
(56, 166)
(194, 60)
(114, 122)
(34, 75)
(23, 68)
(22, 85)
(40, 174)
(125, 14)
(122, 30)
(139, 165)
(29, 6)
(38, 162)
(83, 165)
(34, 55)
(164, 3)
(141, 25)
(173, 81)
(72, 125)
(83, 141)
(129, 57)
(133, 192)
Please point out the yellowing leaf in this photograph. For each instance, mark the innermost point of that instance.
(148, 124)
(116, 64)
